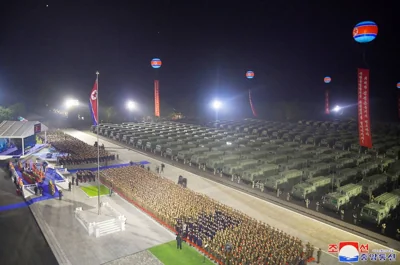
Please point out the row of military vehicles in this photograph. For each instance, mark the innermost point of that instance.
(308, 159)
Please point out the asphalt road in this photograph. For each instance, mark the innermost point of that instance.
(22, 241)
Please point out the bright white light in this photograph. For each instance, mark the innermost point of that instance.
(337, 108)
(217, 104)
(69, 103)
(130, 105)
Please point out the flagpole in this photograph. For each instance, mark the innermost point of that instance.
(98, 146)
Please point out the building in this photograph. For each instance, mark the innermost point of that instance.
(18, 138)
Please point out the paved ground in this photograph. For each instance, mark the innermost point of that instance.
(22, 242)
(72, 245)
(308, 229)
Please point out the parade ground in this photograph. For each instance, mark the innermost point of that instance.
(310, 230)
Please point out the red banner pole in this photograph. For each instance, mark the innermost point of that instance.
(398, 103)
(327, 111)
(364, 121)
(156, 98)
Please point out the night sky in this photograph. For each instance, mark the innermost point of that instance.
(50, 53)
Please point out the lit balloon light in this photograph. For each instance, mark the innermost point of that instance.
(156, 63)
(365, 31)
(250, 74)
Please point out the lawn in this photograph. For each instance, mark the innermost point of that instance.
(169, 255)
(91, 191)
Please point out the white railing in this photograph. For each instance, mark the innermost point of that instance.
(88, 226)
(121, 219)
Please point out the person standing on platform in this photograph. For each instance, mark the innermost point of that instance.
(69, 185)
(60, 194)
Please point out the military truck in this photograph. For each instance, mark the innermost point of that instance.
(259, 173)
(217, 164)
(223, 148)
(317, 169)
(369, 167)
(257, 155)
(343, 144)
(173, 151)
(312, 187)
(274, 159)
(363, 158)
(385, 164)
(151, 145)
(161, 148)
(373, 185)
(345, 162)
(345, 176)
(275, 182)
(342, 198)
(200, 159)
(187, 154)
(240, 166)
(292, 176)
(296, 163)
(379, 210)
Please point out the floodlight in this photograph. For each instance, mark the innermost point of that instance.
(69, 103)
(217, 104)
(130, 105)
(337, 108)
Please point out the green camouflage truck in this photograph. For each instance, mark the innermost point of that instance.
(342, 197)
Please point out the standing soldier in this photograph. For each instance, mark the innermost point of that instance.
(383, 228)
(60, 194)
(288, 196)
(342, 214)
(307, 202)
(319, 253)
(69, 185)
(317, 207)
(355, 218)
(162, 167)
(178, 241)
(277, 192)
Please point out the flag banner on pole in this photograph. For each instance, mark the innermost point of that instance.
(327, 111)
(93, 104)
(156, 98)
(364, 121)
(398, 103)
(251, 105)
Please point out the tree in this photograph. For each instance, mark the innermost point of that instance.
(5, 114)
(110, 113)
(17, 109)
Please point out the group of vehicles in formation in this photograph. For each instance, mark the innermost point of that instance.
(308, 159)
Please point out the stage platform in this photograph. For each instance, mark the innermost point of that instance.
(10, 153)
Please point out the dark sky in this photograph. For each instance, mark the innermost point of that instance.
(50, 53)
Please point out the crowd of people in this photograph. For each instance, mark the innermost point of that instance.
(76, 151)
(228, 235)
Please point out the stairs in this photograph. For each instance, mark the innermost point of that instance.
(107, 227)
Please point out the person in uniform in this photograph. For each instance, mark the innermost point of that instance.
(178, 241)
(319, 253)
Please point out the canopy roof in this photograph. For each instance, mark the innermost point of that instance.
(19, 129)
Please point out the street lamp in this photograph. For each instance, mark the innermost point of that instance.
(70, 103)
(130, 105)
(216, 104)
(337, 108)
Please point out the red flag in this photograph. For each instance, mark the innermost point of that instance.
(398, 103)
(94, 104)
(364, 121)
(327, 111)
(156, 98)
